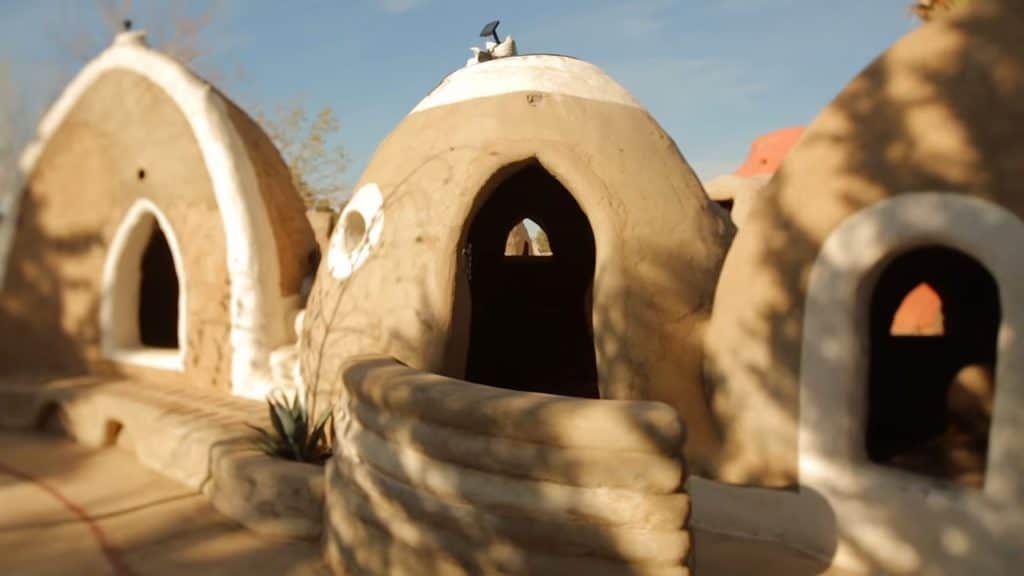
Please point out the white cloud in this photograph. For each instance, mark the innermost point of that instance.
(398, 6)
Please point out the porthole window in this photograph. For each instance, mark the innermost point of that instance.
(358, 232)
(355, 231)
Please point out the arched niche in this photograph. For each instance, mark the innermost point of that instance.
(530, 319)
(893, 515)
(143, 306)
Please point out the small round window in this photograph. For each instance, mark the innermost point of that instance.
(358, 232)
(355, 231)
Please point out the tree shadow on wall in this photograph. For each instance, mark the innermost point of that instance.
(422, 500)
(880, 130)
(42, 279)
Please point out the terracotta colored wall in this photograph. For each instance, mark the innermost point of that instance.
(941, 111)
(659, 245)
(85, 181)
(769, 150)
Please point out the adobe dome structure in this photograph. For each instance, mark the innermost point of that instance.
(438, 327)
(158, 233)
(911, 175)
(544, 347)
(417, 268)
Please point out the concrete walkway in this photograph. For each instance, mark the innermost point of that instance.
(66, 509)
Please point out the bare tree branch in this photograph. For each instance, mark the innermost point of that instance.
(317, 167)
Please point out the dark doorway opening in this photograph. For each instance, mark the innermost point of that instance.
(931, 387)
(158, 294)
(530, 322)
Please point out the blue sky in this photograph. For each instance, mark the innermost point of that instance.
(714, 73)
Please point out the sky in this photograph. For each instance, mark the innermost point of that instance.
(714, 73)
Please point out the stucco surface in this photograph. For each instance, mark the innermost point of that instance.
(940, 112)
(84, 183)
(742, 191)
(135, 124)
(889, 520)
(435, 475)
(659, 245)
(293, 235)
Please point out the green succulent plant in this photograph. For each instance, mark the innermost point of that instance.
(294, 435)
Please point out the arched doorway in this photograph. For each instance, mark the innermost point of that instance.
(158, 294)
(142, 305)
(530, 320)
(933, 335)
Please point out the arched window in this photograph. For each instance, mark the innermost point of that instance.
(934, 321)
(142, 308)
(530, 318)
(920, 313)
(527, 238)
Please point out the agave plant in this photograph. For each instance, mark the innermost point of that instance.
(294, 435)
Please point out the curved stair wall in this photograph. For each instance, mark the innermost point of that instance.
(433, 475)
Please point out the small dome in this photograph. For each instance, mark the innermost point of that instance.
(933, 114)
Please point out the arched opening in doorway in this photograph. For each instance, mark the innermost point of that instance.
(142, 306)
(530, 320)
(934, 322)
(158, 295)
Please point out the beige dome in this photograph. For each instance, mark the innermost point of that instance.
(936, 113)
(136, 145)
(617, 311)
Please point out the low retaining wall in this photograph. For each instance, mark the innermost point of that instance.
(433, 475)
(196, 437)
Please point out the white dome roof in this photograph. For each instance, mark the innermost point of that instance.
(544, 73)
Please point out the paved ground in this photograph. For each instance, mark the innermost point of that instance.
(66, 509)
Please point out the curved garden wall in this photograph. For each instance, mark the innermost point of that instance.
(433, 475)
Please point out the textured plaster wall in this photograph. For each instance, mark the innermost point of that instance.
(250, 244)
(886, 518)
(292, 233)
(83, 185)
(258, 224)
(941, 111)
(659, 245)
